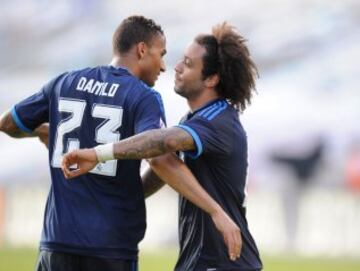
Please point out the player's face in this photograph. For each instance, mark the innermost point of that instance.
(188, 77)
(152, 62)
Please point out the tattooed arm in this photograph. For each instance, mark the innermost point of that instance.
(151, 183)
(148, 144)
(154, 143)
(9, 127)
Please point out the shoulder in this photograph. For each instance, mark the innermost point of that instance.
(214, 113)
(148, 93)
(69, 75)
(147, 90)
(83, 71)
(221, 120)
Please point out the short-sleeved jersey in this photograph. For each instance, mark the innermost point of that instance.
(220, 164)
(101, 213)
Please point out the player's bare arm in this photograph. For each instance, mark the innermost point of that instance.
(9, 127)
(154, 143)
(149, 144)
(151, 182)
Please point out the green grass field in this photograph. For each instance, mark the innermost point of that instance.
(24, 259)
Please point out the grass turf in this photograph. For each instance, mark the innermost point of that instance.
(24, 259)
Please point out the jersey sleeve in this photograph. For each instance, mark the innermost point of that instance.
(34, 110)
(150, 113)
(206, 136)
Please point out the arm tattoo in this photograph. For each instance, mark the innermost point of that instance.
(154, 143)
(151, 183)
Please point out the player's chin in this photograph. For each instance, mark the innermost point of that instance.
(178, 90)
(150, 83)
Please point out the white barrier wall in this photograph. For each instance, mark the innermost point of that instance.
(327, 224)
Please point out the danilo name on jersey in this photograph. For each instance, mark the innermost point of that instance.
(96, 87)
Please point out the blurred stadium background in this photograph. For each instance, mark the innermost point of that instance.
(304, 138)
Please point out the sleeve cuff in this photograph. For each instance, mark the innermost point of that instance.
(195, 136)
(18, 122)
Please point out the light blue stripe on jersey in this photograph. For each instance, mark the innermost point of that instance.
(218, 111)
(208, 109)
(210, 112)
(18, 122)
(197, 140)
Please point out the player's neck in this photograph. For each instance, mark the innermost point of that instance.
(125, 62)
(201, 100)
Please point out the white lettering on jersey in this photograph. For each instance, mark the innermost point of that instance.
(113, 89)
(81, 83)
(89, 86)
(96, 87)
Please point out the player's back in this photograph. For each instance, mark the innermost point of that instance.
(101, 213)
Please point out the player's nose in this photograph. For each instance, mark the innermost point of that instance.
(162, 66)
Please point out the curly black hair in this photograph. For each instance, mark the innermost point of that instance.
(133, 30)
(228, 56)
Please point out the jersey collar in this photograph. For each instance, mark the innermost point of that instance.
(190, 114)
(120, 69)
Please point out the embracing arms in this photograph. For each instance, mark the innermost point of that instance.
(148, 144)
(168, 167)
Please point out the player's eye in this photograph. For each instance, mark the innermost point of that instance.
(187, 62)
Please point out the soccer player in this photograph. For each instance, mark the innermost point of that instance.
(96, 221)
(217, 77)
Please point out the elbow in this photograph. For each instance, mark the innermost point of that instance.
(155, 162)
(160, 161)
(4, 127)
(8, 126)
(171, 144)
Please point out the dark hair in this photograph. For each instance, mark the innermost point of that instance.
(227, 55)
(133, 30)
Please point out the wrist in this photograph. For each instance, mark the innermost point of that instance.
(105, 152)
(216, 210)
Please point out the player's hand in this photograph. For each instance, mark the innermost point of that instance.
(230, 232)
(83, 160)
(42, 132)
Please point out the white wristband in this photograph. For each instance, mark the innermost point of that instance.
(105, 152)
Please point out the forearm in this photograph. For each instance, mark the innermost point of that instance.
(153, 143)
(151, 183)
(177, 175)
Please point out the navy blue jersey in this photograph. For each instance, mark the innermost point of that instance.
(101, 213)
(220, 164)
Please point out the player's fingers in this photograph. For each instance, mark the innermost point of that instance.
(235, 242)
(229, 241)
(65, 164)
(67, 161)
(238, 243)
(70, 159)
(64, 167)
(66, 172)
(74, 173)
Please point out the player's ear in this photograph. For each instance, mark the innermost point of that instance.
(212, 80)
(141, 49)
